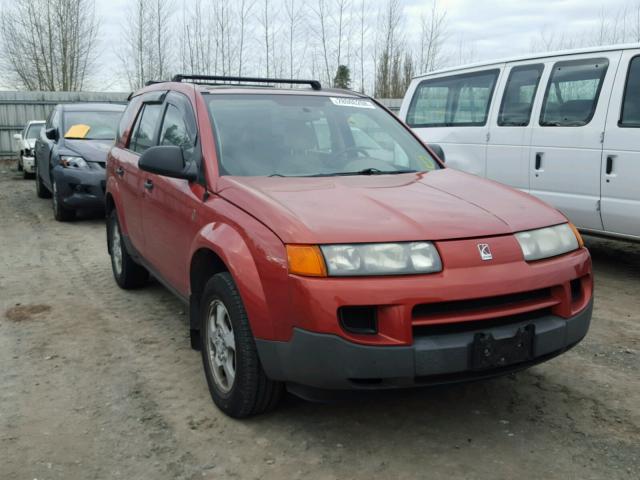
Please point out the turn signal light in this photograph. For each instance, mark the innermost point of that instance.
(306, 260)
(577, 234)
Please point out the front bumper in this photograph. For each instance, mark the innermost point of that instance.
(327, 361)
(29, 164)
(80, 188)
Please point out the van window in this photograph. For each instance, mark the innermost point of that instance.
(519, 94)
(460, 100)
(572, 94)
(631, 105)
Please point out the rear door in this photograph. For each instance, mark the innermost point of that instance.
(171, 205)
(452, 111)
(621, 166)
(566, 142)
(125, 162)
(510, 131)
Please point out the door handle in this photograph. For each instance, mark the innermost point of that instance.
(609, 167)
(148, 185)
(538, 161)
(120, 171)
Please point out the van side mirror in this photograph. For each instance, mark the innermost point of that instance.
(168, 161)
(17, 136)
(437, 149)
(51, 134)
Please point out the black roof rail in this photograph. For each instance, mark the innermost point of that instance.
(211, 79)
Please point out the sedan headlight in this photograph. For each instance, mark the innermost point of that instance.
(548, 242)
(381, 259)
(70, 161)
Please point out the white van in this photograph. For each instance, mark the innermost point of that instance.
(563, 127)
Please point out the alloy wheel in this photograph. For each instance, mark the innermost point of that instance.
(221, 346)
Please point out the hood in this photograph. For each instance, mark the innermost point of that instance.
(439, 205)
(90, 150)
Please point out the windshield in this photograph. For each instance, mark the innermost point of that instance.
(91, 125)
(34, 130)
(304, 135)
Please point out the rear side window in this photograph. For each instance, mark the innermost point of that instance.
(519, 94)
(460, 100)
(143, 135)
(631, 105)
(572, 94)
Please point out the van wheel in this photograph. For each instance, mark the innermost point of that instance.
(41, 190)
(237, 382)
(127, 273)
(60, 213)
(20, 163)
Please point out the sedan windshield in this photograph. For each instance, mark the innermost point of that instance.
(305, 135)
(34, 130)
(85, 125)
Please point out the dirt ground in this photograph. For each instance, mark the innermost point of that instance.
(99, 383)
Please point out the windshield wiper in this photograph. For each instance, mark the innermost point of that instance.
(365, 171)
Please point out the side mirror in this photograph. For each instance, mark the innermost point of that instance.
(437, 149)
(51, 134)
(17, 136)
(168, 161)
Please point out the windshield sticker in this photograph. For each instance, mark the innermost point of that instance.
(352, 102)
(77, 131)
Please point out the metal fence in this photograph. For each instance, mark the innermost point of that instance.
(17, 108)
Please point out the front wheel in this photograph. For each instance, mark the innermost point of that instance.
(127, 273)
(41, 190)
(237, 382)
(60, 212)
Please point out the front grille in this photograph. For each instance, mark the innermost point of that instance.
(483, 308)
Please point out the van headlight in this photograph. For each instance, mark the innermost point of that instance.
(548, 242)
(381, 259)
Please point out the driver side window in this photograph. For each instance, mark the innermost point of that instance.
(369, 137)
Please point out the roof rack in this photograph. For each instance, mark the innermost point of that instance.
(212, 79)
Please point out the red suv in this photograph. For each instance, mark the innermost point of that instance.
(320, 245)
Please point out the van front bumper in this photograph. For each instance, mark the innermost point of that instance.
(327, 361)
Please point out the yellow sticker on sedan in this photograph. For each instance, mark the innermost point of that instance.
(77, 131)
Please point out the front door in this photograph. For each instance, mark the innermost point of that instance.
(621, 156)
(566, 144)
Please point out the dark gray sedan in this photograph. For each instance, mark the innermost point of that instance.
(71, 154)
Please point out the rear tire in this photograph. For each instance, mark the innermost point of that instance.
(127, 273)
(60, 212)
(20, 164)
(41, 190)
(225, 328)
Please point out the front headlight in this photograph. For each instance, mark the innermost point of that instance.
(70, 161)
(548, 242)
(381, 259)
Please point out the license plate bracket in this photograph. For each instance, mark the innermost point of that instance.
(489, 352)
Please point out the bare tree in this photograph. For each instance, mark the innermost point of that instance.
(389, 60)
(243, 17)
(432, 37)
(48, 45)
(321, 12)
(294, 15)
(363, 32)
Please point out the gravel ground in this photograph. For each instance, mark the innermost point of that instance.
(99, 383)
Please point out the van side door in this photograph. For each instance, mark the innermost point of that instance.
(510, 131)
(452, 111)
(620, 202)
(566, 142)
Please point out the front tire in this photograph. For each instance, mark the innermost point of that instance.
(236, 380)
(127, 273)
(20, 168)
(41, 190)
(60, 212)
